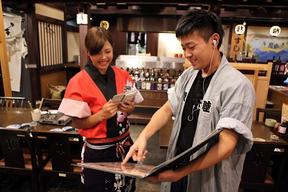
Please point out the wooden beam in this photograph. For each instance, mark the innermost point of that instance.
(4, 58)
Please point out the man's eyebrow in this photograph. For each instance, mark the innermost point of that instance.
(188, 43)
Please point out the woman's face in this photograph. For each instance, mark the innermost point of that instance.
(103, 59)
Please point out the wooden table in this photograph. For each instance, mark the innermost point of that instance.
(23, 115)
(278, 95)
(267, 135)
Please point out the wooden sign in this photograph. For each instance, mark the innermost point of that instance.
(237, 45)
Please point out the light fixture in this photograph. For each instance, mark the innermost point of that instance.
(275, 31)
(82, 18)
(104, 24)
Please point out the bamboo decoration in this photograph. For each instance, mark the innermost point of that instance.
(50, 43)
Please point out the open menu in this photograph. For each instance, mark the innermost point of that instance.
(141, 171)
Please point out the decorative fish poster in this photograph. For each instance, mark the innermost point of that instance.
(264, 47)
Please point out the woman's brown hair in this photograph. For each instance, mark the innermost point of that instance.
(96, 38)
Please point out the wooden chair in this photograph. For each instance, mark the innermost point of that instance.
(255, 172)
(47, 104)
(56, 153)
(18, 155)
(259, 75)
(9, 102)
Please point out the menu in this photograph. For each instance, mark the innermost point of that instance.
(141, 171)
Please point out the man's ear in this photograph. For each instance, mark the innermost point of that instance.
(215, 39)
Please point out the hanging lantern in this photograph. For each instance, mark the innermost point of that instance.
(82, 18)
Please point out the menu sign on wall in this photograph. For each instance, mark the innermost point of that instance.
(237, 44)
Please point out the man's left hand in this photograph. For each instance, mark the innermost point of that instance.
(165, 176)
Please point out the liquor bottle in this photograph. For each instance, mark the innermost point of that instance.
(128, 70)
(142, 78)
(147, 80)
(283, 127)
(173, 81)
(137, 79)
(159, 82)
(179, 73)
(152, 80)
(166, 80)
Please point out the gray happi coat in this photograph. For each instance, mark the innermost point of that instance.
(230, 100)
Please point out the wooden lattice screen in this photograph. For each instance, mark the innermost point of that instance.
(50, 43)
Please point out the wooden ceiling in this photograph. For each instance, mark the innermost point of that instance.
(262, 10)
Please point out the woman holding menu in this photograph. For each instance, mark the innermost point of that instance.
(102, 122)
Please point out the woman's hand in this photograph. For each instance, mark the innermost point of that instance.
(108, 110)
(127, 107)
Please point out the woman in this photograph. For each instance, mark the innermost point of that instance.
(101, 122)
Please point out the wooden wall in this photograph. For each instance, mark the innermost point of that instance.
(55, 78)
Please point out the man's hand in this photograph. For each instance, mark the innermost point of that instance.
(137, 150)
(166, 176)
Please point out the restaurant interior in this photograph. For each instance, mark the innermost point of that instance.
(42, 48)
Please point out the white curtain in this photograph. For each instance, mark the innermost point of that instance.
(16, 48)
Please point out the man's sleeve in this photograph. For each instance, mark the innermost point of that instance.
(237, 113)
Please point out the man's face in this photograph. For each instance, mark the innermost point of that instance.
(197, 51)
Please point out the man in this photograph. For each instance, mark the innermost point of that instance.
(209, 95)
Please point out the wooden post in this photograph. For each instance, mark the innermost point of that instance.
(83, 52)
(4, 58)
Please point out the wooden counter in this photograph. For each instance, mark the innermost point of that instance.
(153, 100)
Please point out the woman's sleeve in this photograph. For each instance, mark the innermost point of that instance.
(73, 104)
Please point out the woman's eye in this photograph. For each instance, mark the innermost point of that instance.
(108, 51)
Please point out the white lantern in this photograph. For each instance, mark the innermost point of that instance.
(82, 18)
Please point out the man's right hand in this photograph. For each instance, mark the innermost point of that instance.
(137, 150)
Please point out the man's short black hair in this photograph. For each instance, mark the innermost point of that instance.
(204, 22)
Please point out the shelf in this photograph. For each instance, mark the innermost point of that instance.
(142, 114)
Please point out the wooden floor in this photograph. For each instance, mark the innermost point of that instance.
(155, 156)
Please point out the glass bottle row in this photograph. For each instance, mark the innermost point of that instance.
(154, 78)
